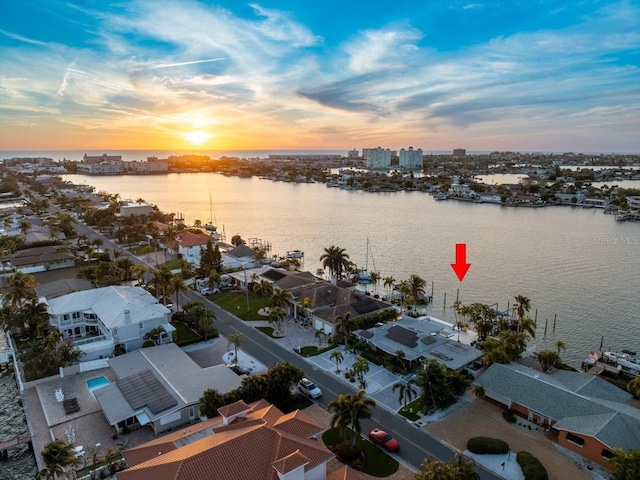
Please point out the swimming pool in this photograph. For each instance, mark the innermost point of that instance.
(96, 383)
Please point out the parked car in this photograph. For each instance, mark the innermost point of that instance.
(309, 388)
(209, 291)
(239, 369)
(382, 438)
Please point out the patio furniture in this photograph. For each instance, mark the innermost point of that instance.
(78, 451)
(71, 405)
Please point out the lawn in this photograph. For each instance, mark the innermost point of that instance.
(414, 410)
(267, 331)
(312, 350)
(377, 462)
(236, 303)
(186, 336)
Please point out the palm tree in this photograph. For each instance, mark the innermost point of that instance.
(375, 279)
(57, 456)
(522, 305)
(560, 345)
(263, 288)
(235, 339)
(527, 326)
(155, 334)
(458, 468)
(360, 367)
(479, 391)
(205, 322)
(320, 334)
(279, 298)
(633, 387)
(179, 286)
(20, 286)
(406, 391)
(276, 315)
(388, 283)
(417, 286)
(307, 305)
(214, 278)
(347, 411)
(337, 357)
(161, 279)
(336, 260)
(344, 324)
(138, 270)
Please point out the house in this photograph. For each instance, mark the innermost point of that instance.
(422, 340)
(246, 441)
(41, 259)
(135, 208)
(585, 413)
(189, 245)
(277, 277)
(161, 387)
(108, 320)
(62, 287)
(329, 301)
(240, 257)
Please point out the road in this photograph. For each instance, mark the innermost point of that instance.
(416, 444)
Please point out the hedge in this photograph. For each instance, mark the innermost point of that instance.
(487, 445)
(531, 467)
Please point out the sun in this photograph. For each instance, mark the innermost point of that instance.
(197, 137)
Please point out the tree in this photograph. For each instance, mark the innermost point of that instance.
(235, 339)
(375, 279)
(493, 352)
(214, 278)
(560, 345)
(178, 286)
(263, 288)
(440, 386)
(161, 280)
(548, 359)
(20, 289)
(388, 283)
(336, 260)
(360, 367)
(337, 357)
(479, 391)
(458, 468)
(276, 316)
(237, 240)
(522, 305)
(633, 387)
(210, 402)
(279, 298)
(406, 391)
(347, 412)
(207, 258)
(626, 463)
(58, 456)
(417, 286)
(344, 325)
(281, 378)
(155, 334)
(138, 270)
(320, 334)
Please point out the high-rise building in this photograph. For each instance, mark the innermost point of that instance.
(377, 157)
(459, 152)
(411, 158)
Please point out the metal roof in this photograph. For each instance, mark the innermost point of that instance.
(143, 389)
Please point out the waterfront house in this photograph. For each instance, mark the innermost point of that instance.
(160, 387)
(188, 245)
(108, 320)
(422, 340)
(329, 301)
(583, 412)
(245, 441)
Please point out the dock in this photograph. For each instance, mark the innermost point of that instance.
(19, 440)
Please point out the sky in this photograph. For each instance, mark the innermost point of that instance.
(517, 75)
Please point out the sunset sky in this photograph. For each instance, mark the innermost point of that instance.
(529, 75)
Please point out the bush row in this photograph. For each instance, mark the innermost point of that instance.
(487, 445)
(531, 467)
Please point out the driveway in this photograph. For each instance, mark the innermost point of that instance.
(481, 418)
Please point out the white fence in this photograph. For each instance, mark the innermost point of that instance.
(94, 365)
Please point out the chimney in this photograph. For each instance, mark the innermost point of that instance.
(127, 316)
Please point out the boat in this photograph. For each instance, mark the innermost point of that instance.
(441, 196)
(363, 276)
(295, 254)
(626, 359)
(211, 227)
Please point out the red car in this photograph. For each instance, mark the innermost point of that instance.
(382, 438)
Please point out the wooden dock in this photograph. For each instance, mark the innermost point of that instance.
(15, 442)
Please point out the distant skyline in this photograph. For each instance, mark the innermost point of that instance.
(330, 75)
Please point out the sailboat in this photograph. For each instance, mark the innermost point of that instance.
(363, 276)
(211, 226)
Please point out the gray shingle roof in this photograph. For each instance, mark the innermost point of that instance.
(596, 408)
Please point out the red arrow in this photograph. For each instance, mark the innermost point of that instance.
(461, 267)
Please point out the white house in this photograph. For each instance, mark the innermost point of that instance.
(108, 320)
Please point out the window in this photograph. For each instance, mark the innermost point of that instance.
(575, 439)
(607, 454)
(192, 414)
(66, 316)
(76, 315)
(141, 325)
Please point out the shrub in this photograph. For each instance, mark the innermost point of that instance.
(486, 445)
(348, 454)
(531, 467)
(148, 343)
(509, 416)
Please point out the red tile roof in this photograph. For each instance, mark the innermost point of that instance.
(257, 447)
(345, 473)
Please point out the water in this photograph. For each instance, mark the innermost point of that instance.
(21, 463)
(576, 264)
